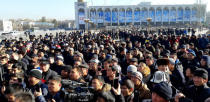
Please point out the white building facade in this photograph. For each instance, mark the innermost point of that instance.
(138, 14)
(6, 26)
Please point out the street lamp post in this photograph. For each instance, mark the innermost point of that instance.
(92, 25)
(87, 23)
(149, 20)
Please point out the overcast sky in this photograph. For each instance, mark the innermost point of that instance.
(64, 9)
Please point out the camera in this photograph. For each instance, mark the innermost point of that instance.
(77, 92)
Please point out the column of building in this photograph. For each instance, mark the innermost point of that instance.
(111, 17)
(125, 16)
(132, 9)
(190, 15)
(169, 15)
(155, 16)
(118, 16)
(96, 17)
(183, 16)
(176, 15)
(161, 15)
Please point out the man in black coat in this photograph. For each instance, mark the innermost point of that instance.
(55, 92)
(57, 67)
(84, 68)
(46, 71)
(35, 82)
(198, 92)
(177, 76)
(3, 67)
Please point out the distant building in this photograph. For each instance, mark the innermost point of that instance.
(208, 18)
(6, 26)
(138, 14)
(1, 25)
(40, 25)
(66, 24)
(71, 24)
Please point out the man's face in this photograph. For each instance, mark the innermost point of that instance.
(96, 84)
(134, 63)
(129, 74)
(128, 56)
(106, 64)
(32, 80)
(54, 86)
(44, 67)
(190, 56)
(10, 97)
(157, 98)
(13, 80)
(41, 54)
(135, 52)
(125, 91)
(171, 66)
(203, 62)
(110, 73)
(149, 61)
(103, 55)
(97, 51)
(123, 53)
(199, 81)
(74, 74)
(64, 73)
(135, 80)
(15, 70)
(174, 47)
(71, 52)
(77, 63)
(163, 68)
(51, 60)
(123, 45)
(3, 61)
(34, 59)
(59, 62)
(84, 71)
(188, 72)
(93, 66)
(77, 58)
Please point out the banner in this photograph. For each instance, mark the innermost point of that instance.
(114, 17)
(180, 14)
(173, 16)
(158, 15)
(152, 15)
(129, 16)
(194, 15)
(93, 16)
(143, 16)
(108, 16)
(122, 16)
(137, 16)
(100, 17)
(81, 17)
(187, 15)
(165, 16)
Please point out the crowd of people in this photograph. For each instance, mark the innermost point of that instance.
(125, 66)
